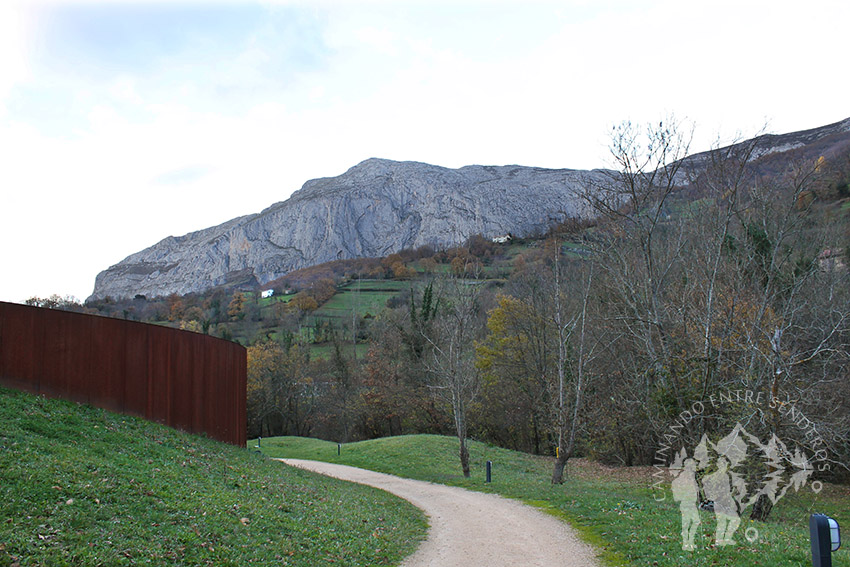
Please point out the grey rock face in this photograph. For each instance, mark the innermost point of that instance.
(378, 207)
(375, 208)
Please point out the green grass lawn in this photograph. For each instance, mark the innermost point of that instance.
(267, 304)
(364, 297)
(614, 509)
(81, 486)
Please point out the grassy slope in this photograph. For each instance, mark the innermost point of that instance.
(613, 508)
(82, 486)
(367, 297)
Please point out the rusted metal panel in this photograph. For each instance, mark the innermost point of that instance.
(181, 390)
(65, 374)
(198, 373)
(135, 388)
(185, 380)
(159, 376)
(108, 363)
(17, 342)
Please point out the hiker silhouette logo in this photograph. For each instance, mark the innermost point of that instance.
(730, 476)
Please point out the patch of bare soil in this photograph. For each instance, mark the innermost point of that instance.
(586, 468)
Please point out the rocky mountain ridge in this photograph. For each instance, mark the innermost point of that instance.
(374, 209)
(379, 207)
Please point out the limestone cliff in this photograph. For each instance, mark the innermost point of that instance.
(378, 207)
(375, 208)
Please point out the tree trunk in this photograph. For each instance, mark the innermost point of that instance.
(464, 457)
(535, 433)
(560, 465)
(460, 428)
(761, 509)
(566, 446)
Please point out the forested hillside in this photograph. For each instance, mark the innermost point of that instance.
(693, 283)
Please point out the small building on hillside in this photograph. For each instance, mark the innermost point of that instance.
(267, 293)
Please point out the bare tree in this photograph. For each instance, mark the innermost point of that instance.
(788, 335)
(538, 347)
(450, 335)
(712, 276)
(571, 366)
(639, 248)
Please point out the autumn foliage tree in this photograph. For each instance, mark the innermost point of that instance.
(236, 307)
(517, 360)
(279, 388)
(535, 355)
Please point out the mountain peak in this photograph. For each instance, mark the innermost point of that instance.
(381, 206)
(375, 208)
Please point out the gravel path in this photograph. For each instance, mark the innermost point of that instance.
(472, 528)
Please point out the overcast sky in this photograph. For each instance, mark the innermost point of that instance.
(123, 123)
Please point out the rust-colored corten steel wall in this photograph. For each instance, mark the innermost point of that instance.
(186, 380)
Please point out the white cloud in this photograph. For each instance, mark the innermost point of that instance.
(208, 135)
(14, 35)
(123, 89)
(381, 39)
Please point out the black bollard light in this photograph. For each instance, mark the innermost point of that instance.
(825, 537)
(338, 449)
(489, 471)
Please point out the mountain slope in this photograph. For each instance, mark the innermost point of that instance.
(375, 208)
(379, 207)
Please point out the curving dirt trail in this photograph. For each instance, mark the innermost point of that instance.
(472, 528)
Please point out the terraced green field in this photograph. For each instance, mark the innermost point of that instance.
(367, 297)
